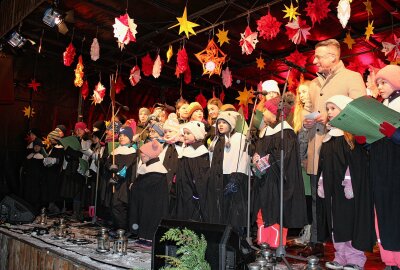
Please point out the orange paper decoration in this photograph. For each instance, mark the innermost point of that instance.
(212, 58)
(78, 82)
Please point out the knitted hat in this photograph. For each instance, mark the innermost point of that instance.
(272, 105)
(340, 101)
(62, 128)
(172, 123)
(80, 125)
(194, 106)
(151, 149)
(270, 86)
(38, 142)
(131, 123)
(99, 126)
(127, 131)
(227, 107)
(196, 128)
(54, 136)
(229, 117)
(145, 110)
(158, 129)
(391, 74)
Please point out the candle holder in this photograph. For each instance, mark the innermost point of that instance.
(43, 216)
(313, 264)
(121, 243)
(103, 241)
(60, 231)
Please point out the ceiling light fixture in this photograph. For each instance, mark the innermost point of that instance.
(16, 40)
(52, 17)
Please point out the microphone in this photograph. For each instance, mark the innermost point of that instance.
(293, 65)
(125, 108)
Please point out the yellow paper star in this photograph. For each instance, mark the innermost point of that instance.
(222, 37)
(369, 30)
(185, 25)
(245, 97)
(170, 53)
(107, 123)
(291, 12)
(349, 41)
(260, 63)
(368, 7)
(46, 142)
(28, 112)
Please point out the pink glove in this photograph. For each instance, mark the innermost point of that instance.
(348, 189)
(320, 190)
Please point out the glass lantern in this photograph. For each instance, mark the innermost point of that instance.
(121, 243)
(103, 241)
(43, 216)
(61, 230)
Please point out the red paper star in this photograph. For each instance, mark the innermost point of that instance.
(297, 58)
(317, 10)
(34, 85)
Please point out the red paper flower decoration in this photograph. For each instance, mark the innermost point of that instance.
(182, 61)
(268, 26)
(391, 48)
(124, 30)
(85, 89)
(227, 77)
(147, 65)
(134, 76)
(297, 58)
(79, 72)
(119, 85)
(298, 31)
(157, 66)
(317, 10)
(248, 41)
(187, 75)
(98, 93)
(222, 96)
(69, 55)
(201, 99)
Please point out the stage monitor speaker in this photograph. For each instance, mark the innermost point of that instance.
(223, 244)
(15, 210)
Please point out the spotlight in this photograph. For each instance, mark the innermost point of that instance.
(52, 17)
(16, 40)
(210, 66)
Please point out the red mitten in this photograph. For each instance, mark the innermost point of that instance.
(360, 139)
(387, 129)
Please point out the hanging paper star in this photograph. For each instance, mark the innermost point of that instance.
(147, 65)
(124, 30)
(268, 26)
(368, 7)
(369, 30)
(119, 85)
(291, 12)
(298, 31)
(95, 50)
(211, 58)
(297, 58)
(79, 73)
(222, 37)
(134, 76)
(343, 12)
(98, 93)
(34, 85)
(391, 48)
(245, 97)
(317, 10)
(157, 67)
(227, 78)
(248, 41)
(85, 89)
(170, 53)
(185, 25)
(260, 63)
(182, 61)
(69, 55)
(349, 41)
(29, 112)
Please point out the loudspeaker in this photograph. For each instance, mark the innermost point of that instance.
(223, 244)
(15, 210)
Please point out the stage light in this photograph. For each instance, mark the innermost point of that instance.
(210, 66)
(52, 17)
(16, 40)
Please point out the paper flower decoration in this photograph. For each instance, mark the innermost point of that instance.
(349, 41)
(79, 72)
(134, 76)
(157, 67)
(147, 65)
(185, 25)
(317, 10)
(291, 12)
(222, 37)
(201, 99)
(298, 31)
(69, 55)
(268, 26)
(98, 93)
(95, 50)
(85, 89)
(187, 75)
(227, 78)
(245, 97)
(248, 41)
(211, 58)
(391, 48)
(170, 53)
(222, 96)
(119, 85)
(343, 12)
(369, 30)
(34, 85)
(260, 63)
(124, 30)
(28, 112)
(297, 58)
(182, 61)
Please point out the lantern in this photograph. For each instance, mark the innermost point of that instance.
(103, 241)
(121, 243)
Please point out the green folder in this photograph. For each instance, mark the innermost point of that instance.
(71, 141)
(241, 124)
(258, 118)
(83, 166)
(363, 116)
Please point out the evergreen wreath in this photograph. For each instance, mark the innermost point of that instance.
(191, 252)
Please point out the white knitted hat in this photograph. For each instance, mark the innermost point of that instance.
(196, 128)
(270, 86)
(340, 101)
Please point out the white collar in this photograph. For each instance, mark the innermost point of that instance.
(190, 152)
(123, 150)
(35, 156)
(333, 132)
(268, 131)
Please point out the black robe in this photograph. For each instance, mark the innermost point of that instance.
(349, 219)
(33, 180)
(266, 189)
(171, 164)
(385, 177)
(53, 176)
